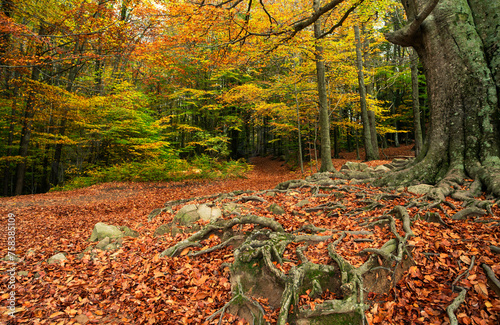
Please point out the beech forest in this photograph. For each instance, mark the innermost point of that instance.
(262, 162)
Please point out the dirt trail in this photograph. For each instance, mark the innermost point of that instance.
(63, 214)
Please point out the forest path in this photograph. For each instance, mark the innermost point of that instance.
(62, 214)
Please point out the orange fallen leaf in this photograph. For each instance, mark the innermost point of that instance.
(481, 289)
(58, 313)
(465, 259)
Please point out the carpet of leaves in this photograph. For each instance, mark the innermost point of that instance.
(133, 285)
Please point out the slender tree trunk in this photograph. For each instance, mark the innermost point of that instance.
(336, 142)
(299, 134)
(358, 157)
(29, 113)
(7, 174)
(396, 99)
(371, 152)
(56, 166)
(373, 131)
(419, 143)
(316, 145)
(324, 116)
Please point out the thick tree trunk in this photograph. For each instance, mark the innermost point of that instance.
(324, 116)
(458, 47)
(371, 152)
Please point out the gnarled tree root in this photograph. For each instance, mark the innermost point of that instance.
(256, 270)
(492, 279)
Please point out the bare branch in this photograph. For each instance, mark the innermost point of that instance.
(342, 20)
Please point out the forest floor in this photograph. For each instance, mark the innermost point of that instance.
(135, 286)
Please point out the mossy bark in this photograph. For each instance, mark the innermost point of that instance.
(456, 45)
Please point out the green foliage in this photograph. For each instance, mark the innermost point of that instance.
(109, 98)
(169, 168)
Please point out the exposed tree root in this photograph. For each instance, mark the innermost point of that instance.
(495, 249)
(468, 212)
(254, 272)
(220, 226)
(492, 279)
(240, 303)
(258, 269)
(450, 310)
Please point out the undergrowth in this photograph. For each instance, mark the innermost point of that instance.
(173, 169)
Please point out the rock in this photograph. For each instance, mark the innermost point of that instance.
(355, 174)
(191, 213)
(187, 215)
(382, 168)
(108, 244)
(112, 246)
(12, 258)
(302, 203)
(103, 243)
(420, 189)
(276, 209)
(129, 232)
(102, 230)
(162, 230)
(207, 213)
(354, 166)
(58, 258)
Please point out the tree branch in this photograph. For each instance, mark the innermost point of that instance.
(406, 35)
(341, 21)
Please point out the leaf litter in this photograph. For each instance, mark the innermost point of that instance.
(133, 285)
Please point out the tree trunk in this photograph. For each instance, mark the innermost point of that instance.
(373, 132)
(324, 116)
(396, 100)
(29, 113)
(371, 152)
(417, 128)
(458, 47)
(299, 134)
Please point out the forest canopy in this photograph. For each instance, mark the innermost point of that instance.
(108, 90)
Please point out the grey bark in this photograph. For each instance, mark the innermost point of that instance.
(324, 116)
(417, 128)
(371, 152)
(373, 131)
(301, 162)
(458, 47)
